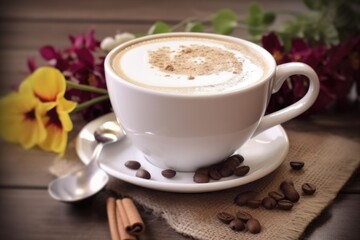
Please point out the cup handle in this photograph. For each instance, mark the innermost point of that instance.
(284, 71)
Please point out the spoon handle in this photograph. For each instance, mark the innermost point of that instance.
(96, 154)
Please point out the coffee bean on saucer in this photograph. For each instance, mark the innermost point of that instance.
(226, 171)
(132, 164)
(202, 170)
(276, 195)
(214, 173)
(225, 217)
(239, 157)
(297, 165)
(253, 203)
(268, 202)
(308, 188)
(242, 198)
(243, 216)
(232, 161)
(241, 171)
(285, 204)
(142, 173)
(168, 173)
(237, 225)
(288, 189)
(201, 178)
(253, 226)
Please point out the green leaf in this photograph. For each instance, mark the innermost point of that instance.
(159, 27)
(194, 27)
(255, 20)
(224, 21)
(314, 4)
(268, 18)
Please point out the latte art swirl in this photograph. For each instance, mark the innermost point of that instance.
(188, 65)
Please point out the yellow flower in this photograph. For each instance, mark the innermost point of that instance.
(20, 120)
(57, 123)
(38, 113)
(48, 85)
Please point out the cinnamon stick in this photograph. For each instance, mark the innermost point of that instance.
(136, 224)
(124, 235)
(111, 213)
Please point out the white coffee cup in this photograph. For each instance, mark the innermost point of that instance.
(187, 131)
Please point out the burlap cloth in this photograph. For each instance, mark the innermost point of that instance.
(329, 162)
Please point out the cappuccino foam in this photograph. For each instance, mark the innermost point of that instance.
(189, 65)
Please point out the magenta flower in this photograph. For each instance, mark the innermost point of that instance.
(81, 64)
(336, 66)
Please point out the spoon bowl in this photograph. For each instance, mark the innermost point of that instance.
(91, 179)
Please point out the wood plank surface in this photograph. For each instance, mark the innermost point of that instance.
(130, 10)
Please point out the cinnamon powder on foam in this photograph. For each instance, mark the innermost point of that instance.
(194, 60)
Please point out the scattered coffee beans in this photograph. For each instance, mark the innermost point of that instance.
(243, 216)
(225, 217)
(268, 202)
(225, 168)
(132, 164)
(241, 171)
(142, 173)
(276, 195)
(297, 165)
(287, 187)
(168, 173)
(308, 188)
(242, 198)
(237, 225)
(285, 204)
(253, 225)
(201, 178)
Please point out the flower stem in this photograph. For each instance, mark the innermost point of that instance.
(83, 87)
(87, 104)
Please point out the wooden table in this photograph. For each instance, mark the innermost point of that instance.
(27, 211)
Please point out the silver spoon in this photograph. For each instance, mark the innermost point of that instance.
(91, 179)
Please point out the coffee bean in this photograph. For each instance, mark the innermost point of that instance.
(226, 171)
(253, 226)
(203, 170)
(253, 203)
(237, 225)
(276, 195)
(214, 173)
(142, 173)
(239, 157)
(288, 189)
(297, 165)
(241, 171)
(268, 202)
(168, 173)
(201, 178)
(285, 204)
(243, 197)
(232, 161)
(308, 188)
(225, 217)
(132, 164)
(243, 216)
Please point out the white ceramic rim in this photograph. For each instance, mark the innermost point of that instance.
(269, 60)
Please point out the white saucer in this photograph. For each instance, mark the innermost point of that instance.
(263, 154)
